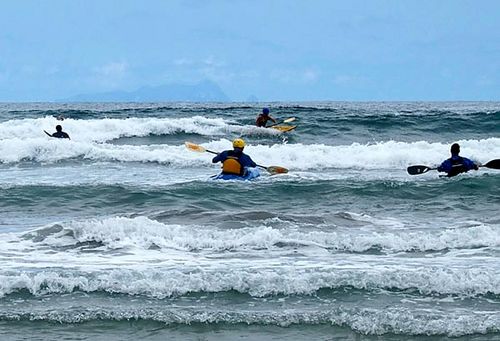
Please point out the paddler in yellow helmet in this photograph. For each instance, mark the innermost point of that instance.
(235, 161)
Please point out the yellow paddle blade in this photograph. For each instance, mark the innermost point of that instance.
(195, 147)
(276, 170)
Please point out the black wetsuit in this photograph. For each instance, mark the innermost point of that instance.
(60, 135)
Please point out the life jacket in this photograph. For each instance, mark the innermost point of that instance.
(232, 165)
(457, 166)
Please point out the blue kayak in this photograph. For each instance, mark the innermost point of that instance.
(250, 173)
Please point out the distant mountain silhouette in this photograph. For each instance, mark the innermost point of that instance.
(205, 91)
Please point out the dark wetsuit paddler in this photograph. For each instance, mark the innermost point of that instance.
(59, 133)
(456, 164)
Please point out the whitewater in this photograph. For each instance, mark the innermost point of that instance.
(120, 232)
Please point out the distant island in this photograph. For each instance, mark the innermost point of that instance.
(204, 91)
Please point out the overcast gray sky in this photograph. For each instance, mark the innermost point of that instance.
(272, 49)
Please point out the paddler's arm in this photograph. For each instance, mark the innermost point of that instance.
(470, 164)
(445, 166)
(219, 157)
(47, 133)
(247, 161)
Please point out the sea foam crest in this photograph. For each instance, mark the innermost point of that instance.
(382, 155)
(390, 319)
(54, 150)
(144, 233)
(102, 130)
(388, 154)
(255, 280)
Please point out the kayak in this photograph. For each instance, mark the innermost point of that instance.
(251, 173)
(284, 129)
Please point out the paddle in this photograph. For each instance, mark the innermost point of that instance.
(419, 169)
(271, 169)
(288, 120)
(48, 133)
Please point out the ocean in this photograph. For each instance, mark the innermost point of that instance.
(121, 234)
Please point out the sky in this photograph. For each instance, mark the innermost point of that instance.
(270, 50)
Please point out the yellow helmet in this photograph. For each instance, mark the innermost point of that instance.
(238, 143)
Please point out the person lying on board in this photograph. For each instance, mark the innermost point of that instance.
(456, 164)
(235, 161)
(263, 118)
(59, 133)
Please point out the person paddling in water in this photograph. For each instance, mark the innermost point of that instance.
(235, 161)
(59, 133)
(456, 164)
(263, 118)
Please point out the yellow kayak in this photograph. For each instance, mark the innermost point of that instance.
(284, 128)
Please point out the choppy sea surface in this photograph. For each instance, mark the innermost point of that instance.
(120, 233)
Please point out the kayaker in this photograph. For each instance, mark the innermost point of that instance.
(235, 161)
(59, 133)
(263, 118)
(456, 164)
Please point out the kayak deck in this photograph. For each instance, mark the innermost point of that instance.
(284, 128)
(251, 173)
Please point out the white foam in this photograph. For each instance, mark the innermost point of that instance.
(254, 278)
(53, 150)
(141, 256)
(296, 157)
(144, 233)
(382, 155)
(391, 319)
(102, 130)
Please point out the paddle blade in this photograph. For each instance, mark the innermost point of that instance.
(195, 147)
(418, 169)
(495, 164)
(291, 119)
(284, 129)
(276, 170)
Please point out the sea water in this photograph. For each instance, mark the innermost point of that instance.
(120, 233)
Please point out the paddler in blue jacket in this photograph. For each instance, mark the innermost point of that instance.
(262, 119)
(456, 164)
(235, 161)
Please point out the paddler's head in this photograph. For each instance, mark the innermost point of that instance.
(265, 111)
(455, 149)
(238, 145)
(58, 128)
